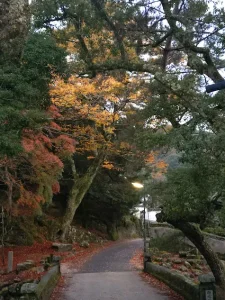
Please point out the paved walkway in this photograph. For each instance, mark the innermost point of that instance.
(109, 276)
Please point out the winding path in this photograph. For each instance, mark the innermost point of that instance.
(109, 276)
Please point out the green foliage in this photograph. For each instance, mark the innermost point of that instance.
(43, 58)
(172, 243)
(24, 89)
(23, 231)
(215, 230)
(187, 195)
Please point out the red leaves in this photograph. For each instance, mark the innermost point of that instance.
(27, 198)
(56, 187)
(137, 261)
(55, 126)
(65, 146)
(54, 111)
(161, 286)
(46, 165)
(32, 141)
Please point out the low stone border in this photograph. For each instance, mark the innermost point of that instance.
(47, 284)
(32, 290)
(176, 281)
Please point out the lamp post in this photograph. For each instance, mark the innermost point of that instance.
(139, 185)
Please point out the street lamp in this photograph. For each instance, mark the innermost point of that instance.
(139, 185)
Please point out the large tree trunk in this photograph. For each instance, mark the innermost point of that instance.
(195, 235)
(78, 190)
(9, 184)
(112, 231)
(14, 24)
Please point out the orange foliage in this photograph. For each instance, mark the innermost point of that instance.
(108, 165)
(29, 199)
(89, 109)
(150, 158)
(158, 166)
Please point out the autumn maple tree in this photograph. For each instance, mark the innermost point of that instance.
(90, 111)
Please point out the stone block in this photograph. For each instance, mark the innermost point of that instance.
(56, 258)
(182, 254)
(29, 261)
(28, 288)
(191, 256)
(43, 261)
(14, 289)
(177, 261)
(193, 262)
(183, 268)
(62, 247)
(84, 244)
(40, 269)
(206, 278)
(187, 264)
(25, 266)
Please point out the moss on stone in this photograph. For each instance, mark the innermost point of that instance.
(176, 281)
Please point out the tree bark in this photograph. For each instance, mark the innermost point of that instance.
(195, 235)
(112, 231)
(14, 25)
(78, 190)
(9, 184)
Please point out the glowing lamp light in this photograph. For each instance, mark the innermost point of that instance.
(137, 185)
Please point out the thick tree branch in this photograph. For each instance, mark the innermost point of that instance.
(117, 34)
(195, 235)
(209, 68)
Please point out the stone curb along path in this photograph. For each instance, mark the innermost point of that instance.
(33, 291)
(177, 282)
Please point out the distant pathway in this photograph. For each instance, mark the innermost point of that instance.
(109, 276)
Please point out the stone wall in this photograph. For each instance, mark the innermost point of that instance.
(129, 232)
(216, 242)
(32, 290)
(177, 282)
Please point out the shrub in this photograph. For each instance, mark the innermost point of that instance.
(173, 243)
